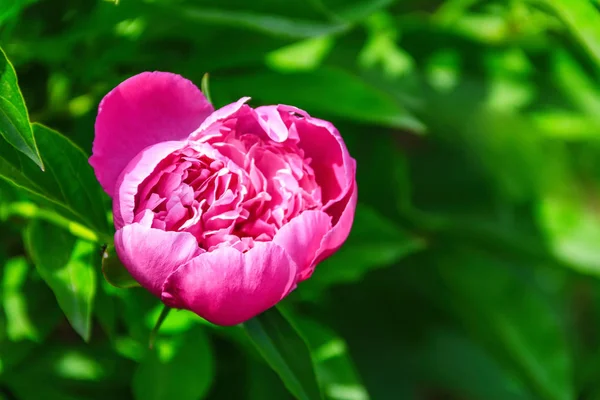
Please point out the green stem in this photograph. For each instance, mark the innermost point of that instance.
(161, 319)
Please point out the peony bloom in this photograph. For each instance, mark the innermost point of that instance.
(219, 212)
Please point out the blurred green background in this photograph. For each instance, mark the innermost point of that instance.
(472, 271)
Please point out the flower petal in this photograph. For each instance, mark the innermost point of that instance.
(148, 108)
(219, 115)
(150, 255)
(334, 239)
(227, 287)
(334, 168)
(301, 238)
(138, 169)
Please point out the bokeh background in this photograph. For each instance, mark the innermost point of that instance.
(472, 271)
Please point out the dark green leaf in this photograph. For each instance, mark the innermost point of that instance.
(264, 384)
(450, 359)
(260, 21)
(286, 352)
(11, 8)
(26, 391)
(341, 94)
(67, 265)
(14, 119)
(105, 308)
(573, 231)
(513, 317)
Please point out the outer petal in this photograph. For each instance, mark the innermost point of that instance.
(334, 239)
(150, 255)
(302, 236)
(335, 170)
(133, 175)
(148, 108)
(227, 287)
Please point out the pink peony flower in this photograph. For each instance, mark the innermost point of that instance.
(219, 212)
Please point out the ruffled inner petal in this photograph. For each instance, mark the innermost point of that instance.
(230, 187)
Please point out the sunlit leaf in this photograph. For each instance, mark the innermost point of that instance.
(18, 321)
(334, 366)
(300, 56)
(572, 227)
(583, 20)
(29, 320)
(67, 265)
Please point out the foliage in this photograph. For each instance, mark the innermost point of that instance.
(472, 271)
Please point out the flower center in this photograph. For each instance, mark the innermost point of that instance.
(230, 190)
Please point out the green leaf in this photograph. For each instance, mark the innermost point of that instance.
(263, 22)
(105, 309)
(572, 227)
(26, 391)
(14, 119)
(286, 352)
(67, 266)
(29, 320)
(448, 358)
(512, 317)
(205, 87)
(263, 383)
(180, 368)
(577, 85)
(68, 184)
(11, 8)
(334, 366)
(583, 20)
(18, 322)
(115, 272)
(355, 10)
(303, 55)
(341, 94)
